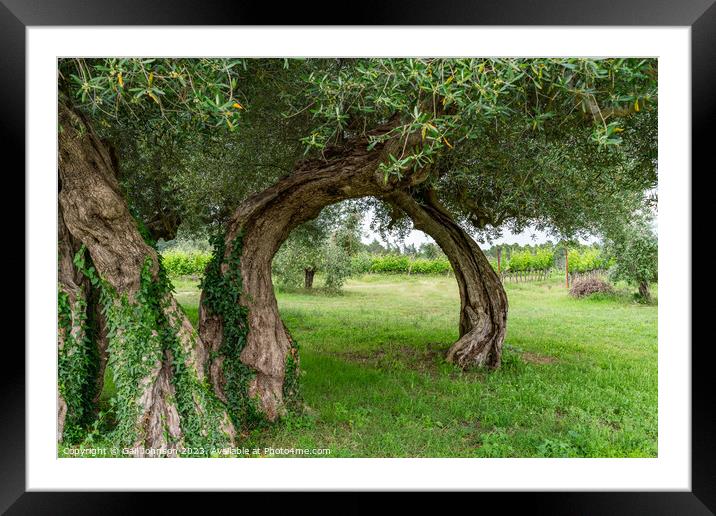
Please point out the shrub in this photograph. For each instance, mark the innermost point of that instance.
(588, 286)
(587, 260)
(400, 264)
(390, 263)
(361, 263)
(184, 263)
(523, 261)
(426, 266)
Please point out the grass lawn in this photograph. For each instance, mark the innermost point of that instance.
(579, 377)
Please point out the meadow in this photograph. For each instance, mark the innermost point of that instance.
(579, 376)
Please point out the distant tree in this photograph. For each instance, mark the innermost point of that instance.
(429, 250)
(301, 255)
(634, 248)
(375, 247)
(347, 232)
(324, 244)
(410, 250)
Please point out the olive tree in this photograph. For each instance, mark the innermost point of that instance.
(324, 244)
(633, 248)
(253, 149)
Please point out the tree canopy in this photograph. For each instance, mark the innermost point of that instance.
(553, 142)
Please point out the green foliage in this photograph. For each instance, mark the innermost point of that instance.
(361, 263)
(133, 350)
(431, 92)
(633, 249)
(336, 265)
(523, 261)
(201, 412)
(200, 91)
(78, 365)
(557, 142)
(140, 335)
(427, 266)
(589, 259)
(493, 263)
(222, 292)
(185, 263)
(325, 244)
(306, 248)
(291, 387)
(390, 263)
(364, 263)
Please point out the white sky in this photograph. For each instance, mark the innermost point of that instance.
(416, 237)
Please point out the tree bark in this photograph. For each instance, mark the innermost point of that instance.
(308, 278)
(156, 357)
(263, 222)
(483, 301)
(644, 291)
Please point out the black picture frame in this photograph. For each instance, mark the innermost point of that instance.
(700, 15)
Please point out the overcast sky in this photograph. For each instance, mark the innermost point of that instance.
(418, 237)
(530, 236)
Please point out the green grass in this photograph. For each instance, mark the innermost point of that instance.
(579, 377)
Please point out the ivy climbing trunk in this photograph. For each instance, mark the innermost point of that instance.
(248, 344)
(253, 338)
(163, 399)
(80, 346)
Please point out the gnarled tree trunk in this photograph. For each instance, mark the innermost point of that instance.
(259, 227)
(483, 301)
(155, 355)
(264, 221)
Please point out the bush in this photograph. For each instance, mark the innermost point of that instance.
(390, 263)
(524, 261)
(587, 260)
(434, 266)
(588, 286)
(361, 263)
(185, 263)
(399, 264)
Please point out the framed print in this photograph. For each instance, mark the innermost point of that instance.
(412, 251)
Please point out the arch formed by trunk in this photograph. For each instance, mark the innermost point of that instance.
(265, 220)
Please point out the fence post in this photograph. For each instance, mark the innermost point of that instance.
(566, 265)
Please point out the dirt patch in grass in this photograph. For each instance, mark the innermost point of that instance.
(426, 360)
(362, 357)
(536, 358)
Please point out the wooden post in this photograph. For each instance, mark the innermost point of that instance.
(566, 266)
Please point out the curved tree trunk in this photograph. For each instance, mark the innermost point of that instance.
(253, 237)
(483, 301)
(155, 355)
(262, 224)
